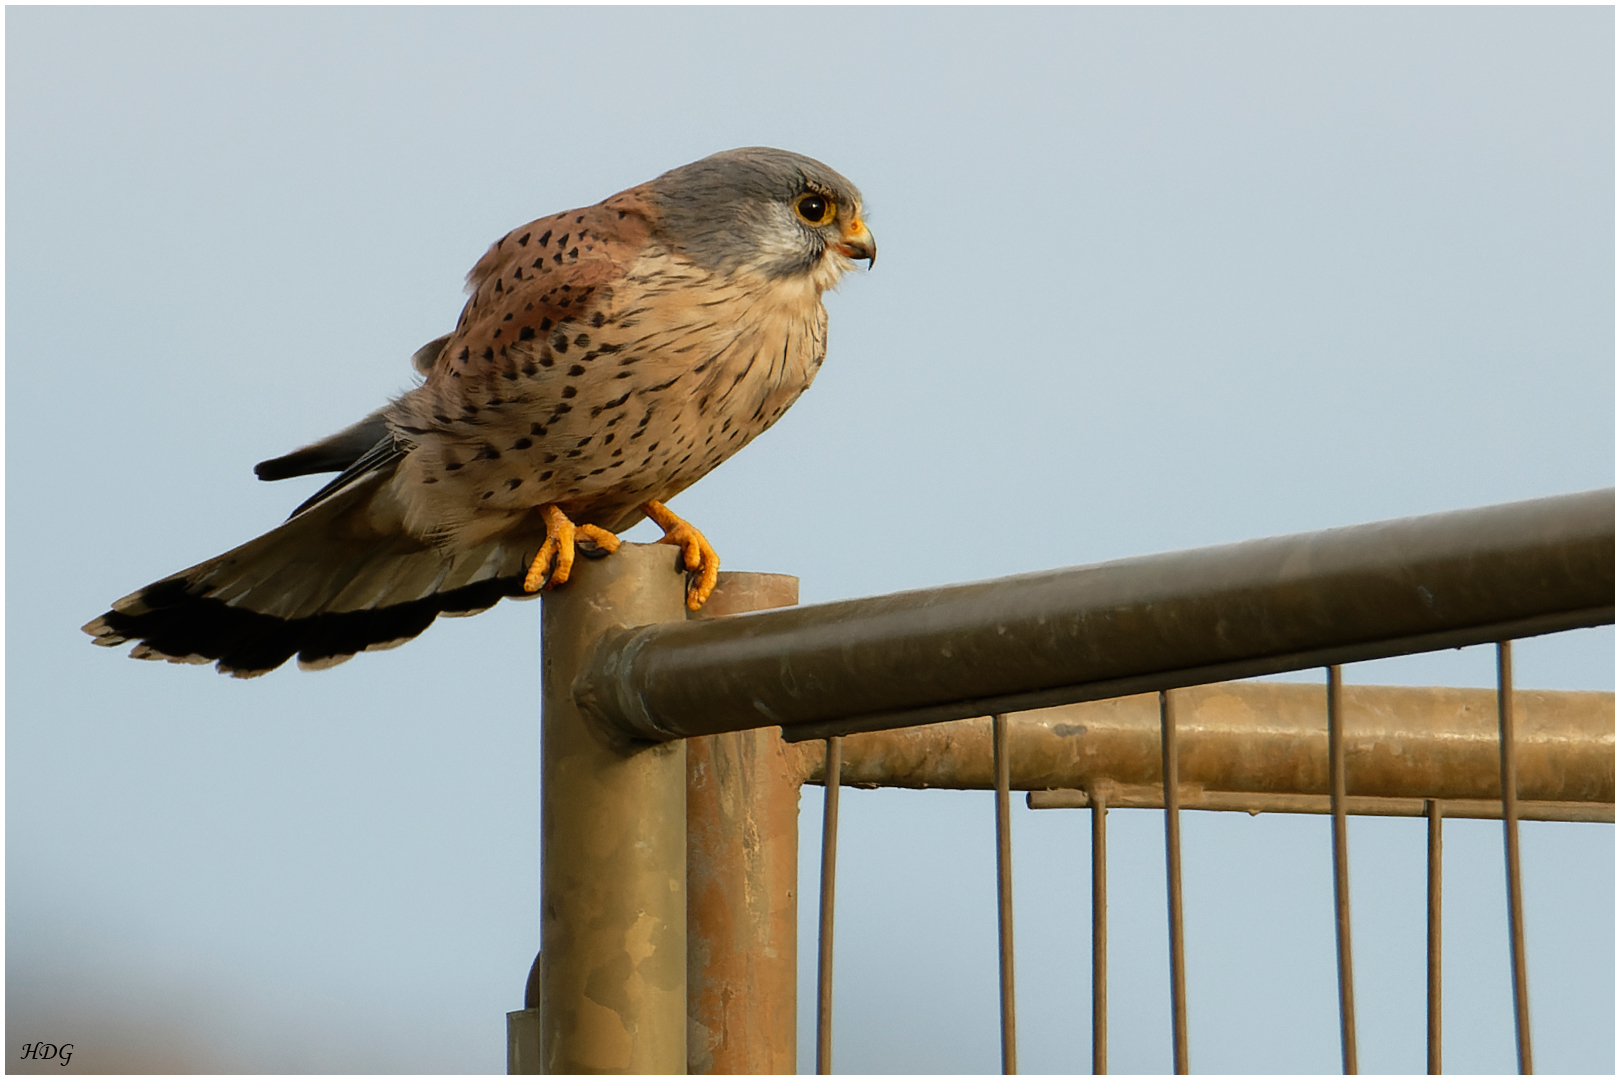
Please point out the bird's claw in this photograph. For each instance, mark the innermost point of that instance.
(594, 542)
(554, 563)
(591, 550)
(697, 554)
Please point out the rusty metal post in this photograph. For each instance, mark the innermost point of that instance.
(1172, 861)
(1004, 894)
(1099, 927)
(1341, 868)
(742, 869)
(833, 772)
(612, 841)
(1510, 841)
(1435, 815)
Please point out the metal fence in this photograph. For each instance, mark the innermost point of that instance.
(1254, 748)
(669, 832)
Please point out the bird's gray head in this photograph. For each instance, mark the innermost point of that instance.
(769, 211)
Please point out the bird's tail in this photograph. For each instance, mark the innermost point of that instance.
(324, 585)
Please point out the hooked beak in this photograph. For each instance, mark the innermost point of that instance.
(857, 242)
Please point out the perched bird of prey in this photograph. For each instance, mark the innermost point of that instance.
(607, 359)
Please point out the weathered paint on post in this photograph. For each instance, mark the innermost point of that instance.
(612, 841)
(742, 870)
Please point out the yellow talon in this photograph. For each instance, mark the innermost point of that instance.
(696, 552)
(555, 560)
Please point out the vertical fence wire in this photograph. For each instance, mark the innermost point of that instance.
(1510, 841)
(1178, 1004)
(824, 943)
(1433, 812)
(1004, 898)
(1099, 929)
(1172, 859)
(1341, 868)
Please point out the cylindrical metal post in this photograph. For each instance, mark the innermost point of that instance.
(1435, 815)
(612, 841)
(1172, 860)
(1510, 840)
(1004, 895)
(824, 943)
(1341, 867)
(742, 870)
(1099, 928)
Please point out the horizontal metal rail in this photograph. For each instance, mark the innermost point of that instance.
(1194, 797)
(1263, 747)
(1130, 626)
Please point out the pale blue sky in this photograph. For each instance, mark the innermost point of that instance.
(1150, 279)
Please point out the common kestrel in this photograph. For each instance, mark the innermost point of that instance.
(607, 359)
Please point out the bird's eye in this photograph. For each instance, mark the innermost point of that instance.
(816, 209)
